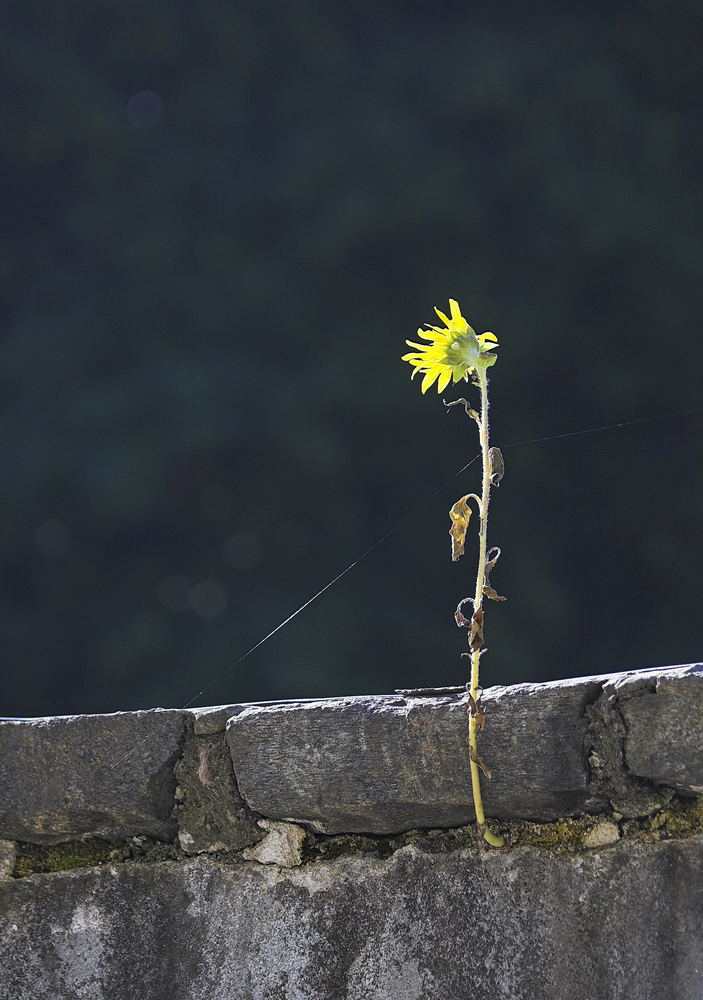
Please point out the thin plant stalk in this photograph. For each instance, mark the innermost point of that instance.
(454, 352)
(490, 838)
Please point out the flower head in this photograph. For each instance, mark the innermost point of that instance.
(454, 351)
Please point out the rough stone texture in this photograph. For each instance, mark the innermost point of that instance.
(211, 813)
(646, 735)
(283, 845)
(383, 765)
(603, 902)
(624, 922)
(8, 856)
(106, 775)
(663, 716)
(214, 718)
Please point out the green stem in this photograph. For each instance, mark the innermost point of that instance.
(489, 837)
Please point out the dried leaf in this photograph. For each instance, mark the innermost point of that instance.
(487, 588)
(481, 763)
(460, 515)
(495, 458)
(476, 709)
(476, 633)
(470, 412)
(459, 616)
(492, 595)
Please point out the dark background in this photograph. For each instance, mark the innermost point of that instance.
(220, 223)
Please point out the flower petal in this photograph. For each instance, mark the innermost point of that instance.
(455, 310)
(445, 319)
(430, 377)
(443, 381)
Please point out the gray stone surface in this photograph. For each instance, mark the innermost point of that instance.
(646, 736)
(211, 813)
(383, 765)
(106, 775)
(622, 922)
(8, 856)
(214, 718)
(663, 716)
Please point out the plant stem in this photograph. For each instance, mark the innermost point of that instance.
(489, 837)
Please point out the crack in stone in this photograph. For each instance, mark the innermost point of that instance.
(680, 819)
(609, 775)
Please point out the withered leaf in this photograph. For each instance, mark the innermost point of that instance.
(476, 709)
(495, 457)
(476, 633)
(459, 616)
(487, 588)
(492, 595)
(481, 763)
(460, 515)
(470, 412)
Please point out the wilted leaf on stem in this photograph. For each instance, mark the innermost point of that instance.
(476, 633)
(470, 412)
(497, 465)
(487, 588)
(459, 616)
(460, 515)
(481, 763)
(476, 709)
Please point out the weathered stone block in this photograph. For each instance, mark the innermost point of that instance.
(525, 924)
(386, 764)
(214, 718)
(211, 813)
(663, 716)
(105, 775)
(646, 734)
(8, 856)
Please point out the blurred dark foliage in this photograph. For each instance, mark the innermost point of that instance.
(221, 222)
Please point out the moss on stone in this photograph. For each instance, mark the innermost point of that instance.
(562, 835)
(681, 818)
(41, 859)
(684, 817)
(441, 841)
(35, 859)
(327, 848)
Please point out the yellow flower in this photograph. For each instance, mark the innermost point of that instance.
(454, 351)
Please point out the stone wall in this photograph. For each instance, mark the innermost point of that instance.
(316, 850)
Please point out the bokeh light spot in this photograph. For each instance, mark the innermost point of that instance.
(208, 599)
